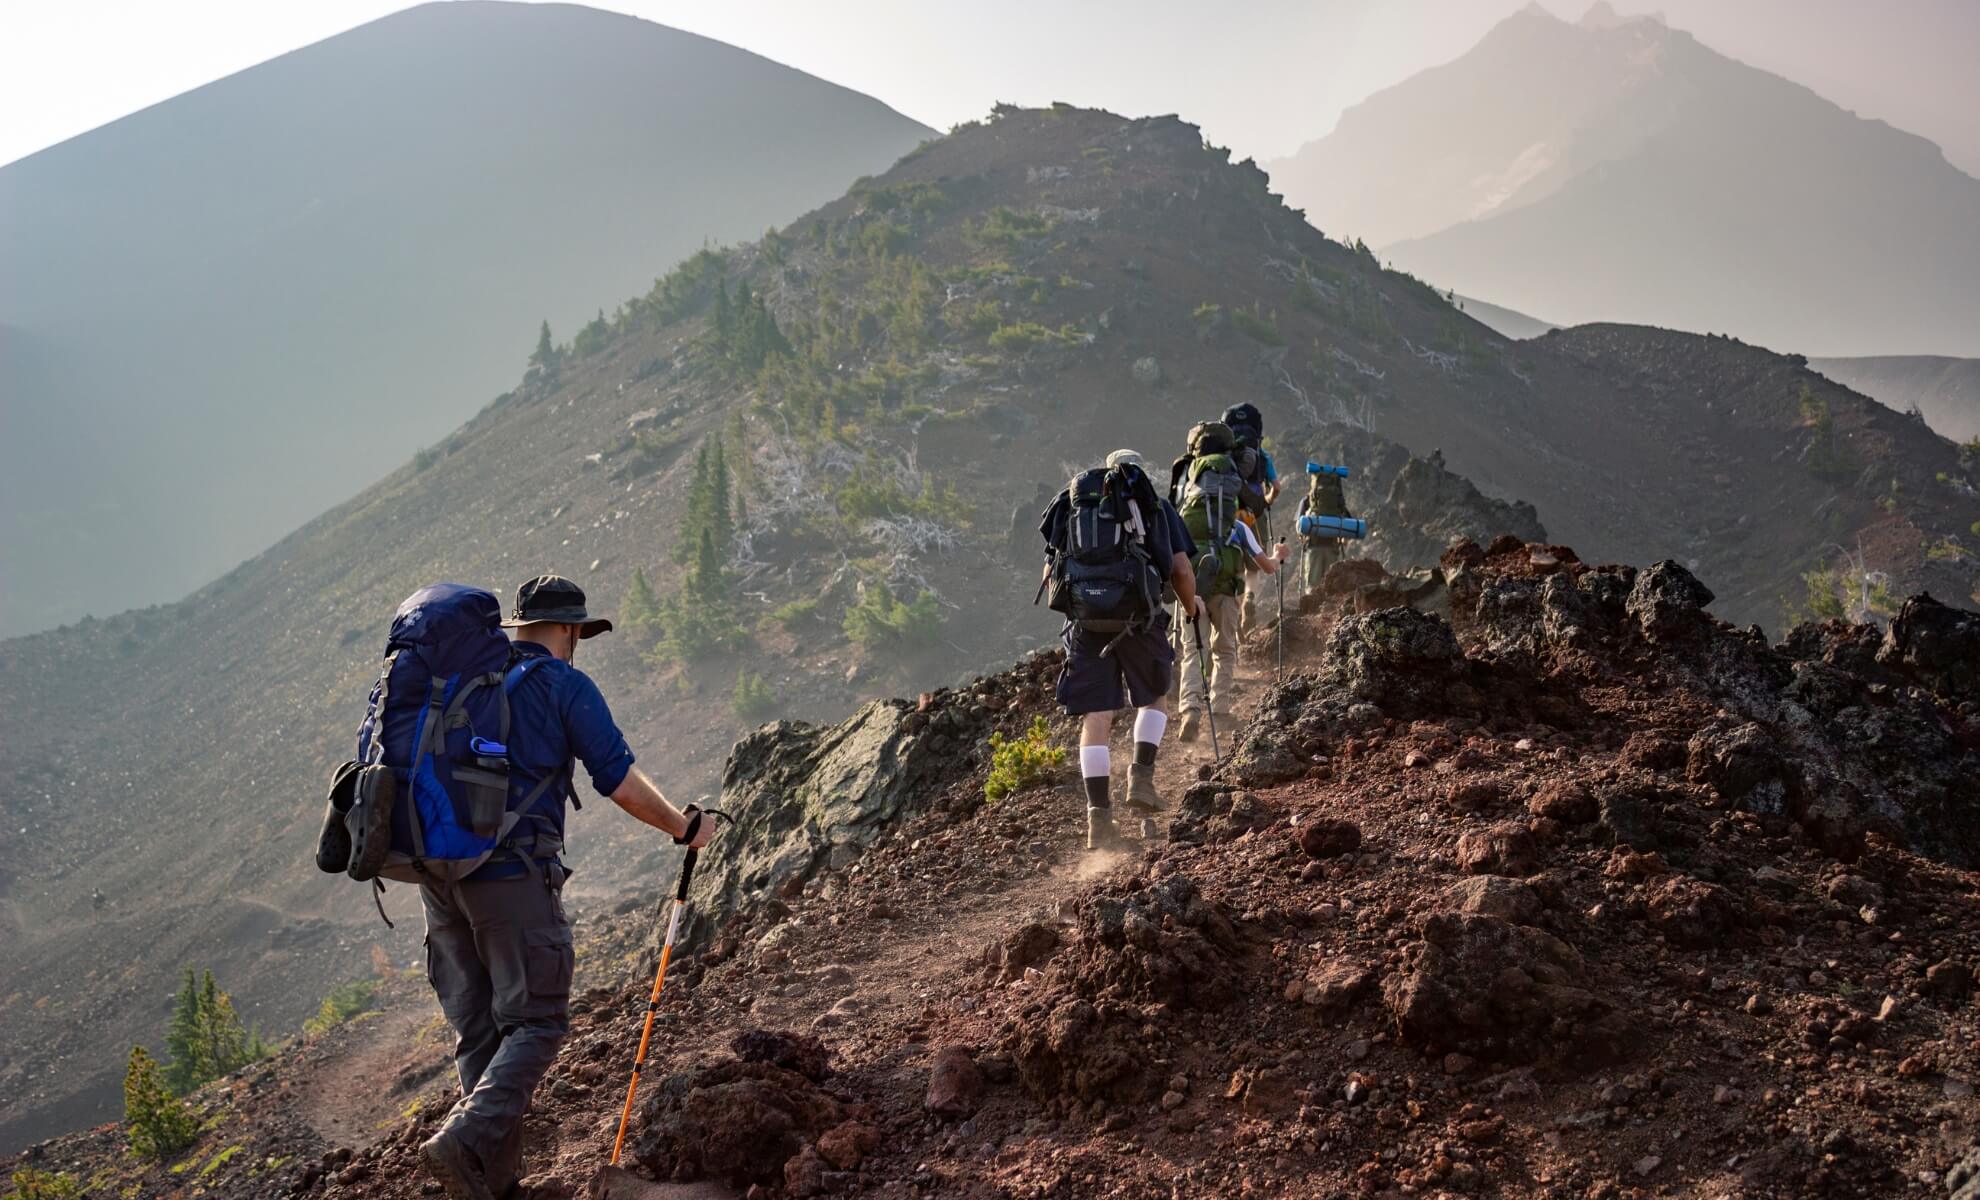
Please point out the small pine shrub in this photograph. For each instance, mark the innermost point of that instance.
(796, 614)
(1257, 326)
(160, 1124)
(1025, 335)
(881, 620)
(30, 1184)
(1017, 763)
(753, 700)
(344, 1002)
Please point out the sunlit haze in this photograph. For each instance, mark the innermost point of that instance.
(1261, 77)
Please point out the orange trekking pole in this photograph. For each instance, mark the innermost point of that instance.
(695, 816)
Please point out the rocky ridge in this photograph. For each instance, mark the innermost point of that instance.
(1580, 892)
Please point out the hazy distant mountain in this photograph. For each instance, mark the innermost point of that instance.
(1945, 390)
(240, 306)
(1504, 320)
(1618, 170)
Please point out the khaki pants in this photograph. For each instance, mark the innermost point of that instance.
(1221, 635)
(1320, 554)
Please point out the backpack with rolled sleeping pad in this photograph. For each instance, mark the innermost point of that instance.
(1324, 498)
(1103, 576)
(429, 797)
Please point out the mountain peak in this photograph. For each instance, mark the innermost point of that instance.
(1601, 15)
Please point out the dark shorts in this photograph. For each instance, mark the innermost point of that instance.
(1134, 674)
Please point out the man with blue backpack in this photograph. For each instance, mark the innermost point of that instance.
(465, 761)
(1113, 549)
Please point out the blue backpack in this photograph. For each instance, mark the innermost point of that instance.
(429, 796)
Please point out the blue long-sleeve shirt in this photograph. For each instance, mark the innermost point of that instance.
(557, 719)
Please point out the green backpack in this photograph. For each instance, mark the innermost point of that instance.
(1211, 495)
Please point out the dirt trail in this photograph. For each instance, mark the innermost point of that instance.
(364, 1080)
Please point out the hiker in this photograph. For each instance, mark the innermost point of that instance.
(498, 942)
(1113, 550)
(1254, 464)
(1218, 507)
(1323, 498)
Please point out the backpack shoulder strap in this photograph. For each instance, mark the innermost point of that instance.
(510, 680)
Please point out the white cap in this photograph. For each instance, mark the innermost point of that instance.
(1123, 457)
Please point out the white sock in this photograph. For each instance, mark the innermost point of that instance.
(1095, 762)
(1149, 724)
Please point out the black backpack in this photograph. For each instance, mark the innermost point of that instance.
(1247, 424)
(1104, 578)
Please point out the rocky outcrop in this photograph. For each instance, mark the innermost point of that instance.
(1818, 731)
(1415, 507)
(809, 797)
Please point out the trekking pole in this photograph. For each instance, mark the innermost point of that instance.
(1279, 674)
(1203, 665)
(660, 977)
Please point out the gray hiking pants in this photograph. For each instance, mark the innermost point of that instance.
(498, 954)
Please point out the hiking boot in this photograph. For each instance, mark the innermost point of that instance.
(505, 1165)
(1192, 724)
(1141, 793)
(370, 821)
(1100, 831)
(456, 1168)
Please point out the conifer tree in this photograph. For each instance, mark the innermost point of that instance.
(640, 613)
(206, 1038)
(719, 523)
(709, 583)
(225, 1038)
(697, 508)
(544, 358)
(184, 1042)
(160, 1125)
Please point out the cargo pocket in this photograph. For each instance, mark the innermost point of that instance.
(432, 980)
(548, 960)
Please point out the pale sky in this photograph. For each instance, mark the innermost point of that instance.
(1261, 76)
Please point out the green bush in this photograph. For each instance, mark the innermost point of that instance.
(30, 1184)
(1946, 549)
(1026, 334)
(160, 1124)
(344, 1002)
(753, 700)
(687, 289)
(1255, 325)
(593, 337)
(873, 491)
(881, 620)
(1006, 229)
(1017, 763)
(796, 614)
